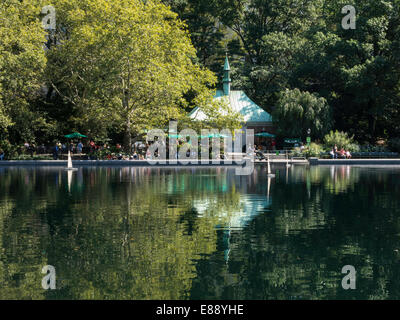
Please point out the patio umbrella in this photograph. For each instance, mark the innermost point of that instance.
(177, 136)
(214, 135)
(75, 135)
(265, 135)
(211, 135)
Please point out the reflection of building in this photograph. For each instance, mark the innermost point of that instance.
(249, 207)
(253, 115)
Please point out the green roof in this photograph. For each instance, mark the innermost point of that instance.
(239, 102)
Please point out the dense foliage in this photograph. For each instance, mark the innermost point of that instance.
(305, 110)
(300, 44)
(116, 68)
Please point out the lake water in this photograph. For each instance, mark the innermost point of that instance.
(183, 233)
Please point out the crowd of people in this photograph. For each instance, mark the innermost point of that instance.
(139, 151)
(340, 154)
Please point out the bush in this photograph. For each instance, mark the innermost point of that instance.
(314, 150)
(353, 147)
(9, 150)
(28, 157)
(372, 148)
(394, 144)
(341, 139)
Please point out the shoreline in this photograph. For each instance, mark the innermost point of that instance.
(358, 162)
(177, 163)
(141, 163)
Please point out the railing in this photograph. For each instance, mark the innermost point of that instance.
(365, 155)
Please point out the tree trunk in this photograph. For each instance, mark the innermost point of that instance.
(128, 137)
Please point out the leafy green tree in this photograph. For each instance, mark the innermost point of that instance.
(126, 63)
(22, 63)
(297, 111)
(357, 71)
(208, 35)
(270, 33)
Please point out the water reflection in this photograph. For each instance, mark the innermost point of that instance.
(185, 233)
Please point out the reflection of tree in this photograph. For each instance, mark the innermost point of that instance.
(126, 234)
(297, 250)
(140, 233)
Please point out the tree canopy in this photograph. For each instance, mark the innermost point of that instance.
(305, 110)
(116, 68)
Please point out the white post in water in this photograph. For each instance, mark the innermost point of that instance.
(270, 175)
(69, 166)
(69, 160)
(287, 160)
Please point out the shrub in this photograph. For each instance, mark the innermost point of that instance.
(28, 157)
(9, 150)
(372, 148)
(353, 147)
(314, 150)
(341, 139)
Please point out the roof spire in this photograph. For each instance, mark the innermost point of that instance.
(227, 80)
(227, 66)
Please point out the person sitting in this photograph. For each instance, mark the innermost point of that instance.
(348, 154)
(332, 153)
(1, 154)
(342, 153)
(260, 155)
(148, 154)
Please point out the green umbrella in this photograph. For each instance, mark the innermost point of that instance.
(177, 136)
(265, 135)
(215, 135)
(75, 135)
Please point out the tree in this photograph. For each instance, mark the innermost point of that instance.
(357, 71)
(126, 62)
(270, 33)
(22, 62)
(207, 34)
(297, 111)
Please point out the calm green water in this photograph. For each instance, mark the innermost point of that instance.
(147, 233)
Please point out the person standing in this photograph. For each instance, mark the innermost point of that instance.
(1, 154)
(91, 146)
(71, 147)
(55, 152)
(273, 144)
(79, 147)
